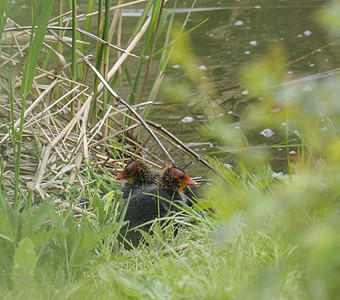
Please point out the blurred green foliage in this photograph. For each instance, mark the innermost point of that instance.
(304, 208)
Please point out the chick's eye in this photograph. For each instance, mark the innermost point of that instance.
(128, 169)
(181, 176)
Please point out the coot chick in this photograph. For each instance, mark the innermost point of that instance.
(173, 186)
(140, 179)
(146, 202)
(139, 176)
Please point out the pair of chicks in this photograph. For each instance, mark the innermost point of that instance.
(149, 194)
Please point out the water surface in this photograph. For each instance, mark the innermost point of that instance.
(233, 34)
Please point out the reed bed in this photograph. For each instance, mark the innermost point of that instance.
(57, 121)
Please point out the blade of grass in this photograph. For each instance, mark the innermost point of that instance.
(74, 47)
(99, 59)
(36, 42)
(159, 14)
(106, 49)
(5, 7)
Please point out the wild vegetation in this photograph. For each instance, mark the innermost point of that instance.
(64, 131)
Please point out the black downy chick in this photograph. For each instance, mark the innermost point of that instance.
(140, 179)
(147, 189)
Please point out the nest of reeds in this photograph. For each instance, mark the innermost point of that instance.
(69, 125)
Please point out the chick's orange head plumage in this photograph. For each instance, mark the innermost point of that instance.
(128, 171)
(176, 179)
(136, 172)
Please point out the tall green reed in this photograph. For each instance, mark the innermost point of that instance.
(36, 41)
(74, 48)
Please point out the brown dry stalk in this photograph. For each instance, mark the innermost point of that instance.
(151, 52)
(105, 42)
(35, 184)
(58, 202)
(182, 145)
(118, 98)
(38, 100)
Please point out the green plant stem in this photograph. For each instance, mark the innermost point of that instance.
(106, 51)
(18, 139)
(74, 48)
(287, 146)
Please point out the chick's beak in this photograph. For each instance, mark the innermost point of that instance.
(121, 176)
(188, 181)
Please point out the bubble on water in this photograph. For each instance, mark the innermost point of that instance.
(247, 52)
(275, 110)
(307, 33)
(239, 23)
(230, 112)
(292, 152)
(211, 34)
(280, 149)
(311, 65)
(176, 66)
(237, 127)
(187, 119)
(283, 124)
(257, 6)
(326, 59)
(229, 166)
(299, 35)
(290, 72)
(267, 133)
(253, 43)
(202, 68)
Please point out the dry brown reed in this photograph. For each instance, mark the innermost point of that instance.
(59, 147)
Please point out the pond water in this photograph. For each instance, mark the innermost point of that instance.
(235, 33)
(225, 44)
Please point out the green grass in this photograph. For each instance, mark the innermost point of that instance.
(50, 254)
